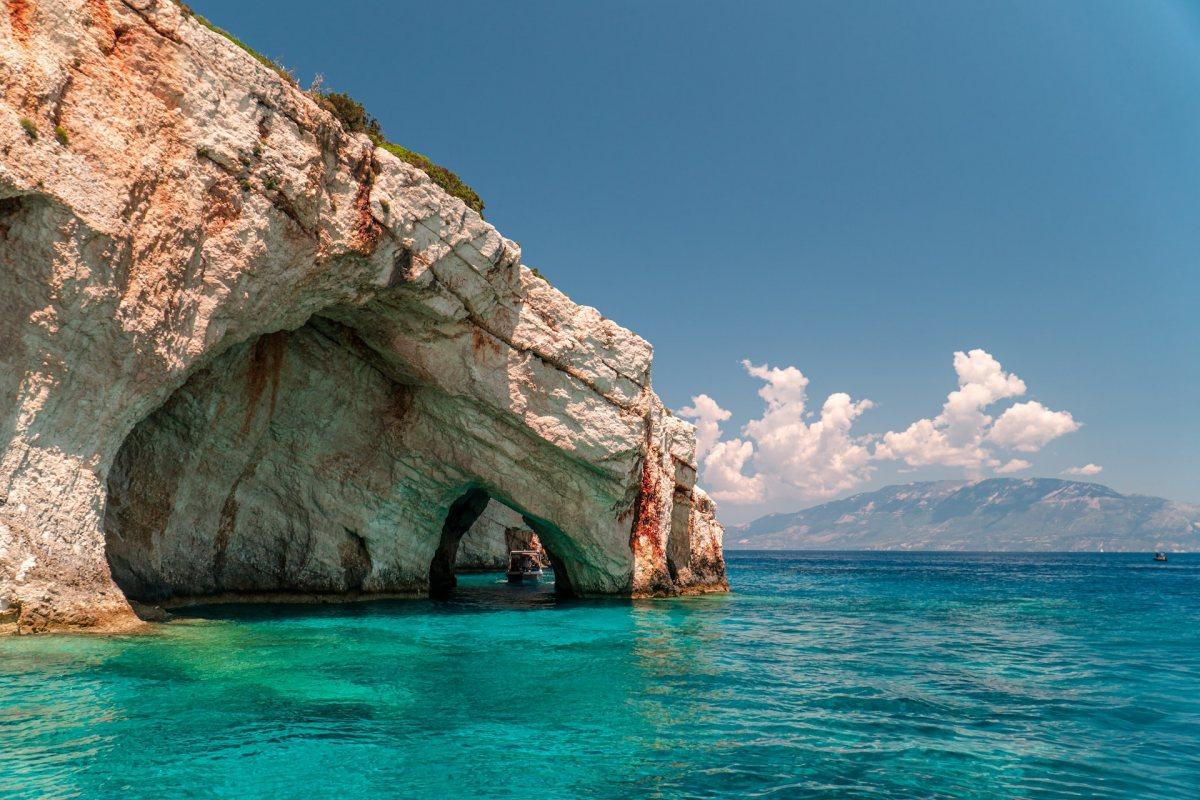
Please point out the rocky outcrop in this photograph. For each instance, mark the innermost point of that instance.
(245, 352)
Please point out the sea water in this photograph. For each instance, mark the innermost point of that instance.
(821, 675)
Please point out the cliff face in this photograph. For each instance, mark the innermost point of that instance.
(244, 351)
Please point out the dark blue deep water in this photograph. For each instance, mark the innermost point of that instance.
(823, 675)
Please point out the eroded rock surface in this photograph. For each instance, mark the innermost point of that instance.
(245, 352)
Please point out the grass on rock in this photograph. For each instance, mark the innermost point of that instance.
(355, 119)
(266, 61)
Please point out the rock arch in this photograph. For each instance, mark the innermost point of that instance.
(486, 545)
(234, 322)
(293, 466)
(466, 511)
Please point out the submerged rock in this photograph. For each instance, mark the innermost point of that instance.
(246, 352)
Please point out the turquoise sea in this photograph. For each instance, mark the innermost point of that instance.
(824, 675)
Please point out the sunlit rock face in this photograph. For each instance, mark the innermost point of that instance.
(245, 352)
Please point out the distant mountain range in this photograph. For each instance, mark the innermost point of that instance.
(997, 514)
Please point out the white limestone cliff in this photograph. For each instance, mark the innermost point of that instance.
(245, 352)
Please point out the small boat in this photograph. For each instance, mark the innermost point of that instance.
(1160, 556)
(524, 566)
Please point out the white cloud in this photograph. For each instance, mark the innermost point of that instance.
(1028, 427)
(786, 454)
(1086, 469)
(981, 382)
(785, 388)
(955, 437)
(791, 457)
(708, 416)
(926, 442)
(724, 473)
(817, 459)
(1015, 465)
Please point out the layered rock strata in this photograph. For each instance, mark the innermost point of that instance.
(247, 353)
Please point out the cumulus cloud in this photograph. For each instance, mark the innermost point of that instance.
(724, 473)
(790, 456)
(818, 459)
(787, 454)
(1028, 427)
(708, 416)
(955, 437)
(1015, 465)
(1086, 469)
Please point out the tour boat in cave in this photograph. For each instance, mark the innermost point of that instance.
(524, 566)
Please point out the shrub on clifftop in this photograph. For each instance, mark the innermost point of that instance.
(350, 112)
(440, 175)
(356, 120)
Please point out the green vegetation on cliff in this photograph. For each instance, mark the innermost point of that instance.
(266, 61)
(355, 119)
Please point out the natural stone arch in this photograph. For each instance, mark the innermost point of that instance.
(293, 466)
(209, 219)
(464, 512)
(461, 515)
(486, 545)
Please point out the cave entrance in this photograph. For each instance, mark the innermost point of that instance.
(477, 536)
(292, 467)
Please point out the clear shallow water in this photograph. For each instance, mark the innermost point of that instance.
(824, 675)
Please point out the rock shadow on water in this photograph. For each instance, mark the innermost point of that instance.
(477, 593)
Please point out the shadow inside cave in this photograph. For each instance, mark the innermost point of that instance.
(444, 576)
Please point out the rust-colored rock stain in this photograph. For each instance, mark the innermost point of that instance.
(367, 232)
(223, 205)
(483, 342)
(101, 17)
(20, 17)
(647, 510)
(266, 362)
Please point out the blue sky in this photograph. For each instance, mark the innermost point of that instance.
(855, 189)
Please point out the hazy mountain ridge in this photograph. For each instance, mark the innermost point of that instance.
(996, 514)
